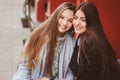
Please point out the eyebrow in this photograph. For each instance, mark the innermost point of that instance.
(77, 16)
(82, 17)
(71, 18)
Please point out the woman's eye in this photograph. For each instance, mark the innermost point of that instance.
(84, 20)
(70, 21)
(61, 17)
(75, 17)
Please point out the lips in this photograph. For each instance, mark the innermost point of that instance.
(62, 27)
(78, 28)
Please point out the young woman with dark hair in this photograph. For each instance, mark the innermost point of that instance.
(93, 57)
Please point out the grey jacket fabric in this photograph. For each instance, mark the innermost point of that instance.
(64, 71)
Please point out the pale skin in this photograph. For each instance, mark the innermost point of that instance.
(64, 24)
(79, 23)
(65, 21)
(44, 78)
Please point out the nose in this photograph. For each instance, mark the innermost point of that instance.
(64, 22)
(77, 22)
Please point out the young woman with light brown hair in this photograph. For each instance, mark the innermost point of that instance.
(48, 51)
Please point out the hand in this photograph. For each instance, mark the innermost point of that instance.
(75, 78)
(44, 78)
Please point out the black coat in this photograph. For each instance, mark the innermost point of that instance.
(93, 71)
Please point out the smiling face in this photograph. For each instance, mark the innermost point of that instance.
(79, 22)
(65, 21)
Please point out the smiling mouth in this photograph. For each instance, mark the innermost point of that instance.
(62, 27)
(78, 28)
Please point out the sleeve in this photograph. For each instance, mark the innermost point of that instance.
(22, 72)
(69, 75)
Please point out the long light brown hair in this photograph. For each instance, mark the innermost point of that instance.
(46, 33)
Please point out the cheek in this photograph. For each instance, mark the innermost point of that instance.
(85, 29)
(69, 25)
(59, 20)
(73, 22)
(84, 25)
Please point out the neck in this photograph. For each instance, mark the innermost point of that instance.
(76, 36)
(61, 34)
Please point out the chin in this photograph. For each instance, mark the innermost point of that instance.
(61, 31)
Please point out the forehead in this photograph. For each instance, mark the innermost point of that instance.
(79, 13)
(67, 13)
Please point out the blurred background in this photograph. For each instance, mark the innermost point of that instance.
(18, 18)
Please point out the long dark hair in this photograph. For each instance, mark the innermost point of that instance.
(94, 42)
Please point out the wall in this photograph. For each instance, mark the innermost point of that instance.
(55, 3)
(109, 11)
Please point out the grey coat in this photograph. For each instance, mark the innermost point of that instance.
(64, 71)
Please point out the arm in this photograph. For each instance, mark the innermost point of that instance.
(22, 72)
(90, 71)
(44, 78)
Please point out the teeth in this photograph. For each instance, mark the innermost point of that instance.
(78, 28)
(63, 27)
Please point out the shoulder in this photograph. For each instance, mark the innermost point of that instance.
(70, 37)
(70, 40)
